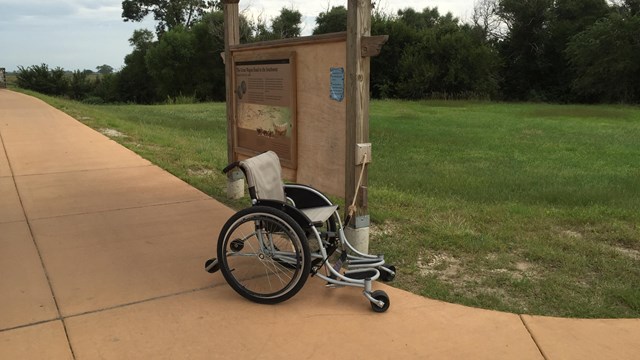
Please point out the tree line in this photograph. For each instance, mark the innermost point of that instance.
(516, 50)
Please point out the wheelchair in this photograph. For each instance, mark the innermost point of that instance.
(267, 251)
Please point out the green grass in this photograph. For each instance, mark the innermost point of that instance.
(527, 208)
(518, 207)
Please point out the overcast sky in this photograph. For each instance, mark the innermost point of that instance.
(82, 34)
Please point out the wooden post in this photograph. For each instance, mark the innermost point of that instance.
(235, 184)
(358, 70)
(231, 37)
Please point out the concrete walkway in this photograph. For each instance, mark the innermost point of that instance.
(101, 257)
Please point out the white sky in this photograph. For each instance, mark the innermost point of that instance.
(82, 34)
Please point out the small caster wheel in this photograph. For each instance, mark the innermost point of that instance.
(211, 265)
(237, 245)
(386, 276)
(381, 296)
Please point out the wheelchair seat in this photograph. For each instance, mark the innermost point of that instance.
(318, 215)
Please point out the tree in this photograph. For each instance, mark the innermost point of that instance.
(384, 67)
(523, 49)
(428, 54)
(168, 13)
(330, 21)
(633, 7)
(261, 31)
(208, 69)
(486, 18)
(567, 19)
(419, 21)
(42, 79)
(104, 69)
(170, 63)
(134, 82)
(606, 59)
(141, 39)
(447, 62)
(287, 24)
(79, 86)
(106, 89)
(627, 7)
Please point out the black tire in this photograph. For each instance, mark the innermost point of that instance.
(266, 271)
(382, 296)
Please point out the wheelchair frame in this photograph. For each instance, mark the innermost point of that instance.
(300, 201)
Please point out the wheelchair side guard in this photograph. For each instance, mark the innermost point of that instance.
(305, 196)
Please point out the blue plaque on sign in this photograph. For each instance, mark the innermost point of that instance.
(337, 84)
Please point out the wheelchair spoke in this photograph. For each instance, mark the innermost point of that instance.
(270, 264)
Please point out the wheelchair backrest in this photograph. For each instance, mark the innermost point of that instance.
(264, 176)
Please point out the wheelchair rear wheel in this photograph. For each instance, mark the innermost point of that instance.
(264, 255)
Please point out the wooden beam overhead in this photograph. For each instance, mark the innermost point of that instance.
(372, 45)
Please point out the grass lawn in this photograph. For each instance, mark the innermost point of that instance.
(527, 208)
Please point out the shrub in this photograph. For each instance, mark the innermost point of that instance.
(42, 79)
(93, 100)
(79, 86)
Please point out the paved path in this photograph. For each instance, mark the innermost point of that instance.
(101, 257)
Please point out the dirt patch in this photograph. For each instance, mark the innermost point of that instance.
(471, 282)
(572, 234)
(200, 172)
(442, 265)
(524, 266)
(381, 231)
(634, 254)
(451, 269)
(492, 257)
(112, 133)
(148, 147)
(519, 271)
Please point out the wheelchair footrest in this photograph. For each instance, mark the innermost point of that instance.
(364, 261)
(361, 274)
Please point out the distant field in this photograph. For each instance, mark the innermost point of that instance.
(527, 208)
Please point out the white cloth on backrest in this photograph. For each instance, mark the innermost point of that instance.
(264, 174)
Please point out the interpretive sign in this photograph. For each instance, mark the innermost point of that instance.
(285, 105)
(266, 106)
